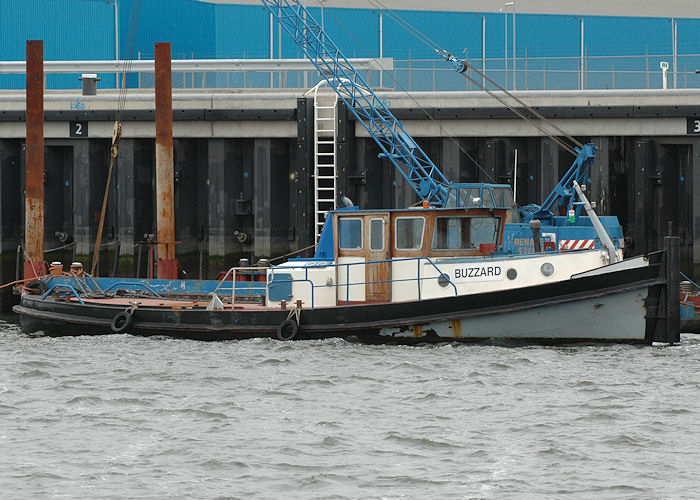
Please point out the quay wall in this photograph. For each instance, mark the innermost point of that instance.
(244, 163)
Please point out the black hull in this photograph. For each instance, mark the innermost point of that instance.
(690, 326)
(376, 323)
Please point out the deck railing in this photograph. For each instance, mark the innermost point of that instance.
(253, 286)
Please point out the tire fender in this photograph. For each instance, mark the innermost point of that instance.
(287, 330)
(121, 321)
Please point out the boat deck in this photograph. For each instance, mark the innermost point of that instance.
(173, 304)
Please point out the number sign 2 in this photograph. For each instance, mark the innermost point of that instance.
(694, 126)
(78, 129)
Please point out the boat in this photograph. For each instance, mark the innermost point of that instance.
(690, 306)
(464, 265)
(396, 276)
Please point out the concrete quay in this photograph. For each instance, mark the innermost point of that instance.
(244, 161)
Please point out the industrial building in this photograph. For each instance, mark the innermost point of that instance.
(556, 44)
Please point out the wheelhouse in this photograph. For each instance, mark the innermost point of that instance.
(377, 252)
(381, 235)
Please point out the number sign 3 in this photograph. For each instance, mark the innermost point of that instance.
(694, 126)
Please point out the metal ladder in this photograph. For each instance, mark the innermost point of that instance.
(325, 134)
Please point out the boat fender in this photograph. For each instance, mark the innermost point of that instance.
(122, 320)
(287, 329)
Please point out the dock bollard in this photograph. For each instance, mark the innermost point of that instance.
(89, 81)
(56, 268)
(77, 268)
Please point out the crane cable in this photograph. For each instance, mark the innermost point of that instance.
(117, 130)
(444, 53)
(413, 99)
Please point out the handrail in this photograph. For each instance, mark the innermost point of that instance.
(241, 285)
(61, 285)
(442, 274)
(144, 285)
(232, 272)
(418, 279)
(189, 65)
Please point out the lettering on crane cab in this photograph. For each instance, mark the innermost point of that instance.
(477, 272)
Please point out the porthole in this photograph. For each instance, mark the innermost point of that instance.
(443, 280)
(511, 274)
(547, 269)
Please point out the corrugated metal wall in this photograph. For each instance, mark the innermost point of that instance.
(84, 29)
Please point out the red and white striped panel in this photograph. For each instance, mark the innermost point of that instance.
(565, 245)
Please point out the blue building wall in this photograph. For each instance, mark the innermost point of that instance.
(547, 45)
(71, 29)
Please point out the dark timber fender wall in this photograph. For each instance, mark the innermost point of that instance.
(673, 289)
(669, 305)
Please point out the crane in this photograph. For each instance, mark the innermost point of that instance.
(405, 154)
(396, 144)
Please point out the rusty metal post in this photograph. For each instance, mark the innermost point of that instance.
(167, 264)
(34, 202)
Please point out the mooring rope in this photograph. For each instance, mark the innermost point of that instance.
(117, 130)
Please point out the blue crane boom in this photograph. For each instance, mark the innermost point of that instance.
(564, 193)
(396, 144)
(410, 160)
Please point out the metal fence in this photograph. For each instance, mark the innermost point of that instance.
(533, 73)
(551, 73)
(529, 73)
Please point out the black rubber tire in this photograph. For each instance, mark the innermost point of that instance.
(121, 322)
(287, 330)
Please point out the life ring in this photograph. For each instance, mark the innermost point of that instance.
(287, 330)
(121, 321)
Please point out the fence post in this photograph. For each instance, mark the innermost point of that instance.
(544, 74)
(646, 56)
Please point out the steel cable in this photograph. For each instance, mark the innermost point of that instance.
(418, 105)
(437, 48)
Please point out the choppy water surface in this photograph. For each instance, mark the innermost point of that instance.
(121, 416)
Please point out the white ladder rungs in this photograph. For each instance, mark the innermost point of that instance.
(325, 120)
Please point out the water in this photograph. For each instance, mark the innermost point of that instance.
(122, 416)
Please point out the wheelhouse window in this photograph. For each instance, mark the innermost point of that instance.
(350, 233)
(376, 235)
(464, 232)
(473, 197)
(409, 233)
(504, 196)
(451, 233)
(484, 230)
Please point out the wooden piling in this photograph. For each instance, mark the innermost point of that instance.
(167, 264)
(34, 201)
(673, 291)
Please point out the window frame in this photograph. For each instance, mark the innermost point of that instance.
(447, 249)
(396, 233)
(362, 236)
(383, 233)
